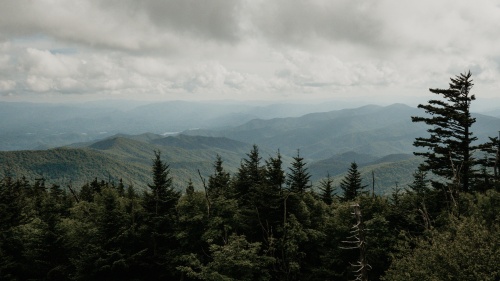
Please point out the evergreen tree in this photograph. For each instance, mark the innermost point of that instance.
(162, 197)
(490, 164)
(269, 201)
(160, 203)
(247, 184)
(420, 181)
(121, 188)
(327, 189)
(298, 178)
(221, 205)
(86, 193)
(190, 188)
(275, 176)
(192, 225)
(351, 184)
(271, 193)
(249, 176)
(449, 146)
(218, 183)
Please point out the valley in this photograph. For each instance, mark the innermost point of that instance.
(378, 138)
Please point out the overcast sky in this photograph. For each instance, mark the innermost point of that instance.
(369, 50)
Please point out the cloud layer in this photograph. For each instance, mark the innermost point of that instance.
(245, 49)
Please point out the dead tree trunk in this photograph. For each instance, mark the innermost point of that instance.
(358, 241)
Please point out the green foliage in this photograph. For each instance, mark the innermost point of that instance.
(246, 227)
(159, 204)
(450, 142)
(218, 183)
(238, 259)
(490, 165)
(465, 250)
(351, 185)
(298, 177)
(327, 190)
(192, 222)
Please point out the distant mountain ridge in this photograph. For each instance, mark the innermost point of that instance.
(126, 157)
(374, 130)
(378, 138)
(129, 158)
(38, 125)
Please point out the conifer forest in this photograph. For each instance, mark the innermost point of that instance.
(267, 221)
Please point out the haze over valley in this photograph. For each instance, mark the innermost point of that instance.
(76, 143)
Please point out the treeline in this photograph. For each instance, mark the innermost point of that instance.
(262, 223)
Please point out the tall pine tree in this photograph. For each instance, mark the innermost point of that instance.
(161, 216)
(449, 146)
(298, 178)
(351, 184)
(326, 187)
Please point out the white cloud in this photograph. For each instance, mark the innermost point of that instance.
(304, 71)
(7, 85)
(245, 48)
(40, 84)
(42, 62)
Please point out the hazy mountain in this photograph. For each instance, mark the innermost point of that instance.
(39, 125)
(378, 138)
(374, 130)
(129, 158)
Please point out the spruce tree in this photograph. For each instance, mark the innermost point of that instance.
(218, 183)
(249, 176)
(449, 146)
(490, 163)
(326, 188)
(160, 203)
(247, 183)
(275, 176)
(351, 184)
(162, 197)
(298, 178)
(420, 181)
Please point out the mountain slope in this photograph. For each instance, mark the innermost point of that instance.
(389, 171)
(70, 166)
(41, 125)
(129, 158)
(126, 157)
(374, 130)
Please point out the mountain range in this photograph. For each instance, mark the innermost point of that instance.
(124, 157)
(374, 130)
(41, 126)
(378, 138)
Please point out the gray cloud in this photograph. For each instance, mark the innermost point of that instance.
(240, 48)
(298, 21)
(124, 25)
(215, 19)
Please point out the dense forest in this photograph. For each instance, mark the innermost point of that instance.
(266, 221)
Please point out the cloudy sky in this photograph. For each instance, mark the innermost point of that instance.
(245, 49)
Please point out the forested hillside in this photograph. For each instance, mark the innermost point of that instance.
(123, 157)
(127, 157)
(262, 223)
